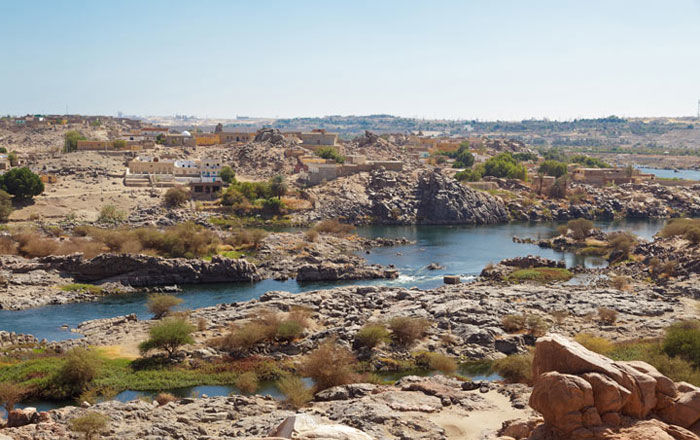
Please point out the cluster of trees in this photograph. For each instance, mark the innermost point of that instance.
(556, 163)
(503, 165)
(268, 195)
(462, 156)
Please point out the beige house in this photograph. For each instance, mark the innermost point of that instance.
(606, 176)
(151, 166)
(226, 137)
(318, 138)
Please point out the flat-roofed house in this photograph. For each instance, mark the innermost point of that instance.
(318, 138)
(151, 165)
(606, 176)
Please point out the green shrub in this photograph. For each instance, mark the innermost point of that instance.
(91, 424)
(536, 325)
(505, 165)
(289, 330)
(247, 382)
(233, 197)
(71, 140)
(621, 243)
(168, 335)
(77, 287)
(176, 197)
(111, 214)
(278, 186)
(371, 335)
(80, 367)
(330, 153)
(682, 339)
(161, 304)
(227, 174)
(553, 168)
(267, 326)
(330, 365)
(273, 206)
(589, 162)
(407, 330)
(21, 183)
(436, 361)
(296, 392)
(473, 175)
(516, 368)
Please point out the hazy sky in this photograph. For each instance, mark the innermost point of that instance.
(485, 59)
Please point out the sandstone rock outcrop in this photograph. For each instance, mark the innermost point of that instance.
(579, 392)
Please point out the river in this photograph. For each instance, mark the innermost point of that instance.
(671, 174)
(463, 250)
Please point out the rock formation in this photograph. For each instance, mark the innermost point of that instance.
(584, 395)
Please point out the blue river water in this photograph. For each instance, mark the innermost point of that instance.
(672, 174)
(463, 250)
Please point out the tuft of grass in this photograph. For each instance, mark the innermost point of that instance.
(436, 361)
(247, 382)
(372, 335)
(330, 365)
(78, 287)
(595, 343)
(540, 275)
(407, 330)
(516, 368)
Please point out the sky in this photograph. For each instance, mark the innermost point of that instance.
(480, 59)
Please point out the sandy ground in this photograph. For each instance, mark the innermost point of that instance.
(476, 425)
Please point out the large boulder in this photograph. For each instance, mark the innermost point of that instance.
(557, 353)
(565, 402)
(304, 426)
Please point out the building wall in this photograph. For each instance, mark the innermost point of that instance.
(150, 167)
(235, 136)
(318, 139)
(207, 140)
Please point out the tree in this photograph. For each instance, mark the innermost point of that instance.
(273, 206)
(227, 174)
(5, 205)
(71, 141)
(161, 304)
(464, 159)
(22, 183)
(168, 335)
(505, 165)
(233, 197)
(119, 144)
(176, 197)
(278, 187)
(553, 168)
(160, 139)
(3, 150)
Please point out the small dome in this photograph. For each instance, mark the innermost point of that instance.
(186, 133)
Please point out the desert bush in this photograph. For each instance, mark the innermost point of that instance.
(251, 238)
(407, 330)
(11, 394)
(111, 214)
(201, 324)
(513, 323)
(560, 316)
(693, 234)
(330, 365)
(559, 188)
(536, 325)
(594, 343)
(161, 304)
(247, 382)
(333, 227)
(607, 316)
(505, 165)
(679, 227)
(227, 174)
(436, 361)
(273, 206)
(668, 268)
(516, 368)
(621, 243)
(8, 246)
(5, 205)
(168, 335)
(553, 168)
(580, 228)
(91, 424)
(164, 398)
(330, 153)
(234, 198)
(267, 326)
(311, 235)
(289, 330)
(79, 368)
(371, 335)
(296, 392)
(176, 197)
(682, 339)
(620, 282)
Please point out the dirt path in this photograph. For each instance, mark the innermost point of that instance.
(476, 425)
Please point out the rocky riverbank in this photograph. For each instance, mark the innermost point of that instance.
(415, 407)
